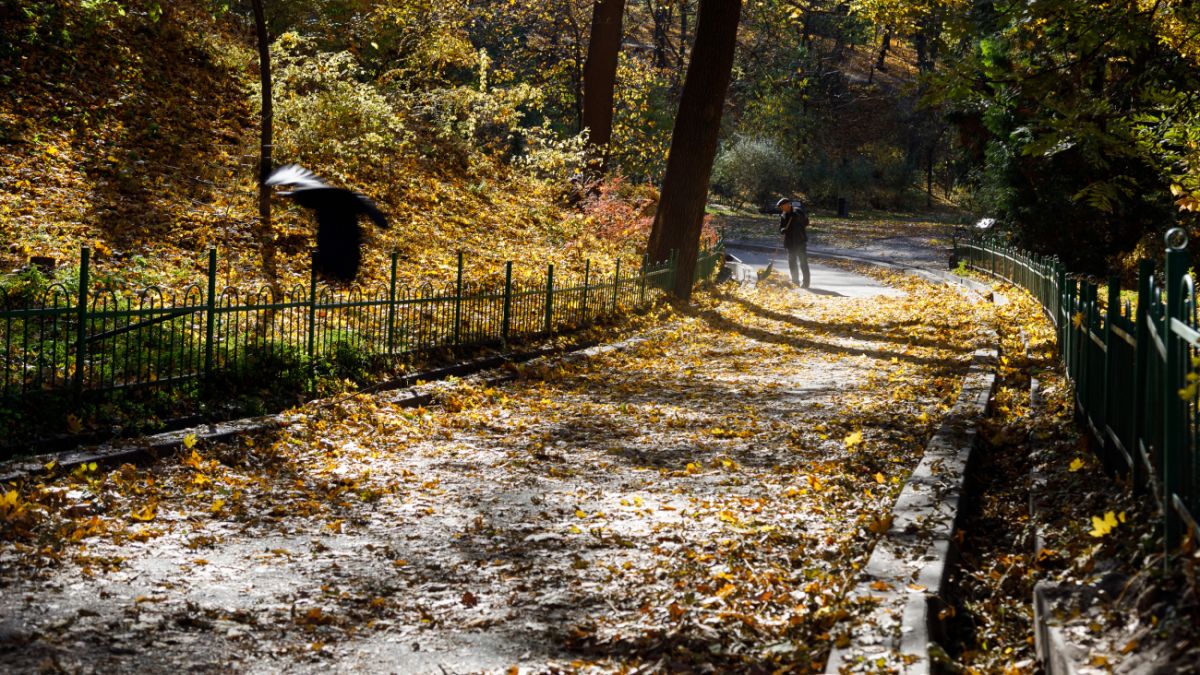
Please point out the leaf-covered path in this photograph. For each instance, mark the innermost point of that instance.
(699, 499)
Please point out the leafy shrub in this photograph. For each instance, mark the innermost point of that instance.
(618, 211)
(878, 176)
(752, 170)
(465, 119)
(643, 116)
(551, 156)
(325, 114)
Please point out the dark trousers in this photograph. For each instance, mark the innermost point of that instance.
(798, 258)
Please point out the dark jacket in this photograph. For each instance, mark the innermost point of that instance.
(794, 227)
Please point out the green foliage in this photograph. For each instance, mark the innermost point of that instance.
(752, 170)
(643, 116)
(325, 113)
(1085, 135)
(878, 175)
(550, 156)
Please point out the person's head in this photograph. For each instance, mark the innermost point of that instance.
(784, 205)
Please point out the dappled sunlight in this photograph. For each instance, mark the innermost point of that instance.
(702, 495)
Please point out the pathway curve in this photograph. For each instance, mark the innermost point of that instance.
(698, 499)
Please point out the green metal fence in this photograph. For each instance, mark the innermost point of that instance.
(77, 340)
(1133, 366)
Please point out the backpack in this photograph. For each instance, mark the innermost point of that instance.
(801, 214)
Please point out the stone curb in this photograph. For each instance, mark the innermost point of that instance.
(907, 572)
(1055, 652)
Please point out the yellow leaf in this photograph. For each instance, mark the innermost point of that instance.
(146, 513)
(1102, 526)
(1077, 319)
(880, 525)
(1076, 465)
(725, 591)
(579, 513)
(881, 586)
(879, 478)
(853, 440)
(189, 441)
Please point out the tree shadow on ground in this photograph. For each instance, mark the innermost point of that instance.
(854, 330)
(719, 322)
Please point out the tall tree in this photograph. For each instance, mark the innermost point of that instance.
(264, 159)
(680, 215)
(600, 72)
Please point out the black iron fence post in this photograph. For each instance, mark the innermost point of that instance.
(85, 256)
(587, 273)
(616, 285)
(550, 298)
(210, 327)
(1174, 407)
(507, 302)
(312, 320)
(1141, 379)
(458, 294)
(642, 289)
(391, 313)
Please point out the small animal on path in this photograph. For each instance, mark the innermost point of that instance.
(766, 271)
(339, 236)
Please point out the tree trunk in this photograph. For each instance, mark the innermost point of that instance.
(881, 63)
(661, 16)
(600, 73)
(680, 215)
(683, 34)
(929, 174)
(268, 113)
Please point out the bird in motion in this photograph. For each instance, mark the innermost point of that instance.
(339, 236)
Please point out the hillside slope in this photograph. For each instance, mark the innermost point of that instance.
(135, 134)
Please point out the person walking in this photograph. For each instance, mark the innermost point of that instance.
(793, 224)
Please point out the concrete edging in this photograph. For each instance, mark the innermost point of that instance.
(907, 573)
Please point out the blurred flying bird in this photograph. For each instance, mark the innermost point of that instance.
(338, 234)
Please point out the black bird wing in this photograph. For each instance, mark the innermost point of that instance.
(368, 207)
(294, 174)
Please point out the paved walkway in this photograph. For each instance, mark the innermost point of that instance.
(825, 279)
(701, 499)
